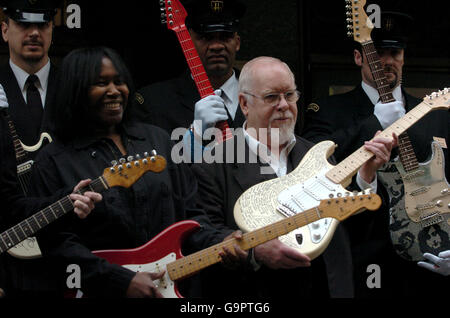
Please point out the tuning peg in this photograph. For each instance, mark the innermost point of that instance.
(112, 170)
(163, 21)
(349, 20)
(122, 160)
(154, 152)
(146, 154)
(114, 163)
(161, 2)
(120, 168)
(331, 196)
(163, 16)
(349, 33)
(138, 156)
(130, 158)
(136, 163)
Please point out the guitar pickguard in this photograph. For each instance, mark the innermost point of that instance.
(165, 285)
(419, 206)
(259, 205)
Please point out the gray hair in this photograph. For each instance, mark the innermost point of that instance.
(248, 71)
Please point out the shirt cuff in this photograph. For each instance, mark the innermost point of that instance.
(363, 185)
(252, 260)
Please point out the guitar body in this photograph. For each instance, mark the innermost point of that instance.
(28, 249)
(420, 210)
(259, 205)
(153, 256)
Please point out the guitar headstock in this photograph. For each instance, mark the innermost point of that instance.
(348, 204)
(439, 100)
(358, 23)
(127, 171)
(173, 13)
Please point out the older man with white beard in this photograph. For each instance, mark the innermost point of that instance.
(264, 149)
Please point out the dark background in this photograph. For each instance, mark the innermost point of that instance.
(309, 35)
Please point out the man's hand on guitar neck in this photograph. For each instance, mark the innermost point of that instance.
(381, 148)
(84, 203)
(274, 254)
(209, 111)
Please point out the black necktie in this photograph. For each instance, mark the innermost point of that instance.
(34, 103)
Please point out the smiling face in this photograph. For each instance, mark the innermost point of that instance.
(108, 96)
(28, 42)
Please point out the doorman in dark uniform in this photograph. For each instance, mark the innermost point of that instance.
(29, 78)
(351, 118)
(29, 81)
(175, 103)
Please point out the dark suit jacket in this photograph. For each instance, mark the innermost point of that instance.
(18, 108)
(348, 120)
(220, 185)
(170, 104)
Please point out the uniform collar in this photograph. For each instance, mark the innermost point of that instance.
(22, 76)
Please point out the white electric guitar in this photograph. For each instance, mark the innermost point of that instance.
(313, 180)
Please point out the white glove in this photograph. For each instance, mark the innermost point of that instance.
(3, 99)
(439, 264)
(388, 113)
(209, 111)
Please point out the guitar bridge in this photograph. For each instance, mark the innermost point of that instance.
(431, 219)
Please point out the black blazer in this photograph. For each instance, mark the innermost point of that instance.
(170, 104)
(220, 185)
(18, 108)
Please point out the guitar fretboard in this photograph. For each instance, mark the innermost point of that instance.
(37, 221)
(198, 72)
(406, 151)
(350, 165)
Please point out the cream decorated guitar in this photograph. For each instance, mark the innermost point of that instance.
(124, 174)
(313, 180)
(163, 252)
(418, 193)
(29, 247)
(174, 15)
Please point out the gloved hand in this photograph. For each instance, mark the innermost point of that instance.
(209, 111)
(439, 264)
(388, 113)
(3, 99)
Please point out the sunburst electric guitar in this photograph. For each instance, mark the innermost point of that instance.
(124, 175)
(174, 15)
(163, 252)
(28, 248)
(418, 192)
(313, 180)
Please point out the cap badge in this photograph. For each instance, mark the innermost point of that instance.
(32, 2)
(389, 24)
(216, 6)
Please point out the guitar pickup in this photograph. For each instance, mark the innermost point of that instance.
(412, 175)
(420, 191)
(24, 167)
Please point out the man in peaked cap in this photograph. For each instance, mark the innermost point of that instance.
(213, 26)
(28, 78)
(349, 119)
(29, 81)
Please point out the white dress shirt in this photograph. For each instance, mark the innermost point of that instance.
(230, 90)
(22, 77)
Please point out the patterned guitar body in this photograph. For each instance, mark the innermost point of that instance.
(419, 206)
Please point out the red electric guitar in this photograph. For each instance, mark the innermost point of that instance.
(163, 252)
(175, 15)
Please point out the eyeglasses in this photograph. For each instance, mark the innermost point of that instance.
(273, 99)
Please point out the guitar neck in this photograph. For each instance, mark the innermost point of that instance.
(377, 71)
(350, 165)
(195, 262)
(406, 151)
(21, 154)
(198, 72)
(37, 221)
